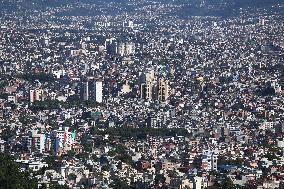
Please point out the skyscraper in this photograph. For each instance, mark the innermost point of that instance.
(164, 89)
(154, 88)
(99, 91)
(36, 141)
(36, 95)
(92, 90)
(85, 91)
(125, 49)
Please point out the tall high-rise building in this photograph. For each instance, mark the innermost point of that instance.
(121, 49)
(36, 141)
(164, 89)
(209, 160)
(143, 90)
(125, 49)
(64, 139)
(111, 46)
(129, 48)
(154, 88)
(92, 90)
(98, 91)
(36, 95)
(150, 85)
(85, 91)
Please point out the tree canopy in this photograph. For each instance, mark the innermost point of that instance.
(11, 177)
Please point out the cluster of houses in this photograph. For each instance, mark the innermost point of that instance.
(144, 99)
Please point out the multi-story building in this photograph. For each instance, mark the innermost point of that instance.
(125, 49)
(200, 182)
(98, 91)
(36, 142)
(63, 139)
(92, 90)
(36, 95)
(154, 88)
(209, 160)
(164, 89)
(85, 91)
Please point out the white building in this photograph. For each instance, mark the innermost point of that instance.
(209, 160)
(99, 91)
(92, 90)
(36, 95)
(125, 49)
(65, 137)
(36, 141)
(31, 165)
(200, 183)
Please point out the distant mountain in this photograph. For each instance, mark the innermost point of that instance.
(221, 7)
(190, 7)
(16, 5)
(255, 3)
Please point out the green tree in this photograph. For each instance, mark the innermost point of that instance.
(159, 178)
(228, 184)
(67, 123)
(11, 177)
(71, 153)
(53, 161)
(58, 186)
(213, 187)
(7, 133)
(281, 185)
(120, 184)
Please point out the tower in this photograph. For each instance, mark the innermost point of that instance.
(125, 49)
(164, 89)
(149, 89)
(85, 91)
(152, 88)
(36, 141)
(32, 96)
(92, 90)
(121, 49)
(99, 91)
(36, 95)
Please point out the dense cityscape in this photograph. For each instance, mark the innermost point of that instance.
(142, 94)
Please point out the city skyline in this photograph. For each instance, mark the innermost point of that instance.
(183, 94)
